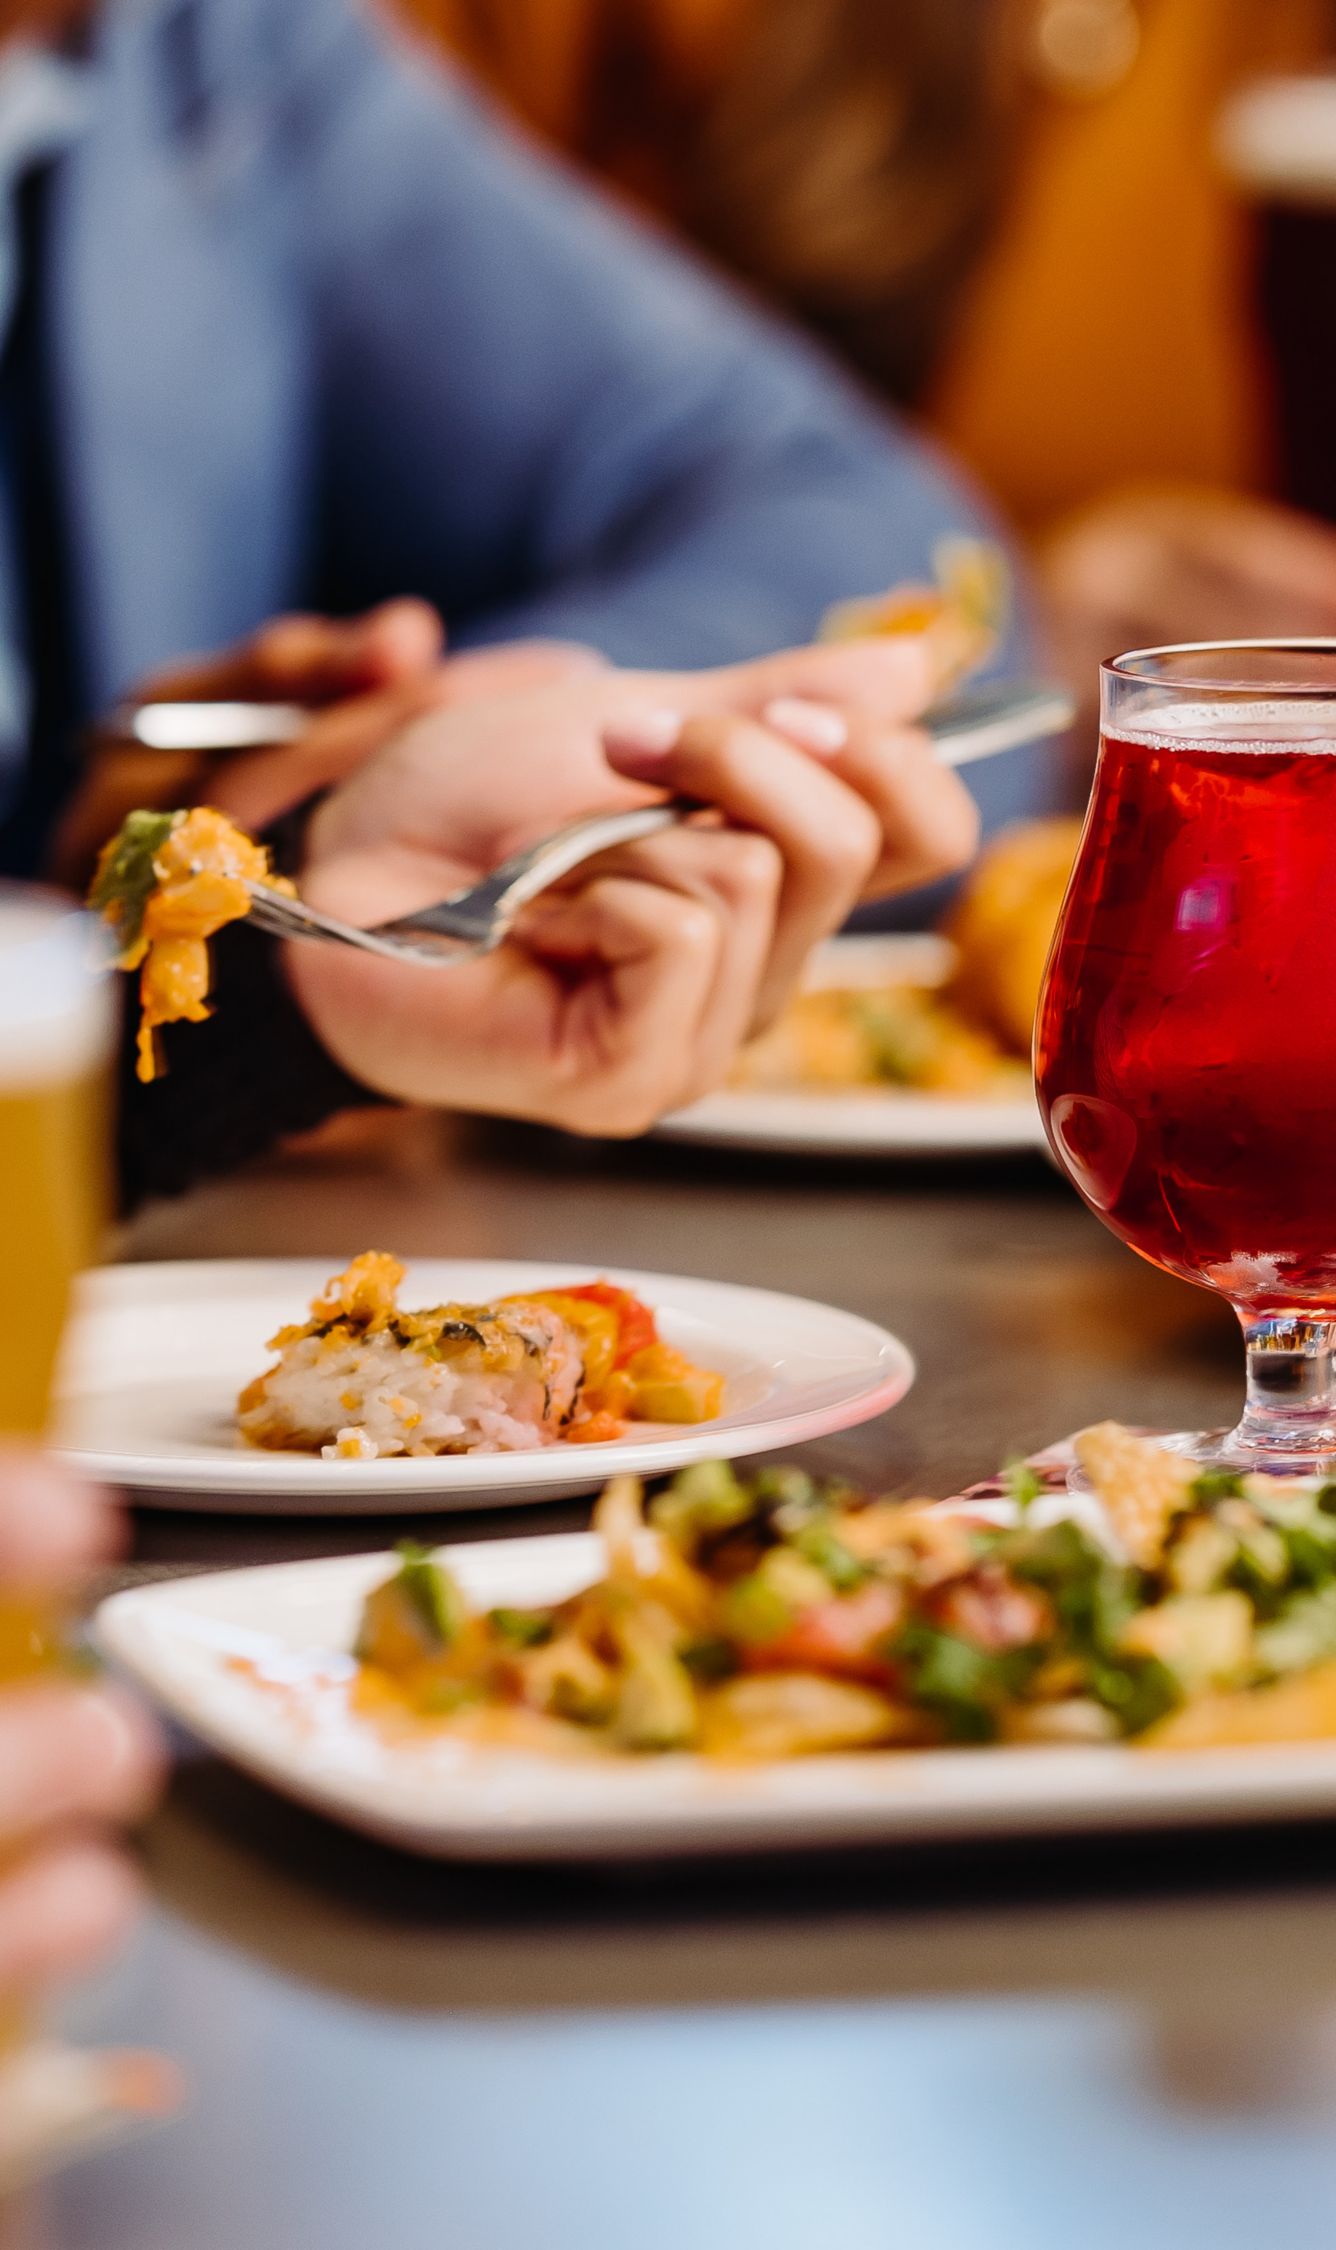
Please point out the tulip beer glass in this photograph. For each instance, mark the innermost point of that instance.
(1185, 1048)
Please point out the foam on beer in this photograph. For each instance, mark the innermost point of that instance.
(1257, 726)
(57, 1014)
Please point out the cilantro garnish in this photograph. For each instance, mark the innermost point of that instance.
(126, 878)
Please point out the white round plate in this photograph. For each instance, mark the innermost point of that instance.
(863, 1121)
(158, 1353)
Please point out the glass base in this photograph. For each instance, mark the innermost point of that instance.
(1307, 1454)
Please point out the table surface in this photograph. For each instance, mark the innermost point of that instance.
(1035, 2044)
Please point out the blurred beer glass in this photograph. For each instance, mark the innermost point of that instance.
(1277, 140)
(56, 1027)
(56, 1018)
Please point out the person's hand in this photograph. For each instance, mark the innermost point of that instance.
(627, 993)
(363, 679)
(75, 1760)
(1150, 565)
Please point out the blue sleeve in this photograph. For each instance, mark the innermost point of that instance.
(545, 417)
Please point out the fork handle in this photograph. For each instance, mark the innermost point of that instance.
(483, 914)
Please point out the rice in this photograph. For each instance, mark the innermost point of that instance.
(361, 1380)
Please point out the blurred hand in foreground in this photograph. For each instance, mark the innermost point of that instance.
(75, 1760)
(1150, 565)
(627, 993)
(362, 678)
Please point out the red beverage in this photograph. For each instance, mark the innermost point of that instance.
(1186, 1045)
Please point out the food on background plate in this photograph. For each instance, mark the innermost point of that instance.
(968, 1036)
(962, 617)
(772, 1615)
(362, 1379)
(165, 884)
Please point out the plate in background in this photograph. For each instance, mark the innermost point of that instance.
(863, 1120)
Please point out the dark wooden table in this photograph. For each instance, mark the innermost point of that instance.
(1038, 2045)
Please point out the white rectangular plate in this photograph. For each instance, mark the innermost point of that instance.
(448, 1799)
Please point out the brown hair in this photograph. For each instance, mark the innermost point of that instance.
(851, 165)
(845, 162)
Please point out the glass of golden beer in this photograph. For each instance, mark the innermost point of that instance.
(56, 1033)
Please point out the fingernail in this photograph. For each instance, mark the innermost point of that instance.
(642, 738)
(813, 726)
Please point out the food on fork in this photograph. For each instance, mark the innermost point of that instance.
(968, 1036)
(961, 618)
(773, 1615)
(165, 884)
(362, 1379)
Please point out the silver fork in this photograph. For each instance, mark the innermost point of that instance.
(475, 920)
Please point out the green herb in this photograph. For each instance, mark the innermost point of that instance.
(126, 878)
(431, 1590)
(1311, 1559)
(1136, 1690)
(965, 1685)
(1213, 1485)
(522, 1628)
(1022, 1485)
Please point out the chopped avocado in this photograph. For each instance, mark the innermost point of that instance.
(790, 1495)
(416, 1613)
(819, 1545)
(522, 1628)
(754, 1613)
(701, 1502)
(656, 1704)
(1205, 1640)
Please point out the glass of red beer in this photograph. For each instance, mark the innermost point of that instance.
(1185, 1049)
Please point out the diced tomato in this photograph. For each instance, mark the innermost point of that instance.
(596, 1429)
(993, 1611)
(635, 1321)
(846, 1635)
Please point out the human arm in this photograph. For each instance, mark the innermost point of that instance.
(547, 419)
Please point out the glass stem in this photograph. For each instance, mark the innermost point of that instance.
(1289, 1421)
